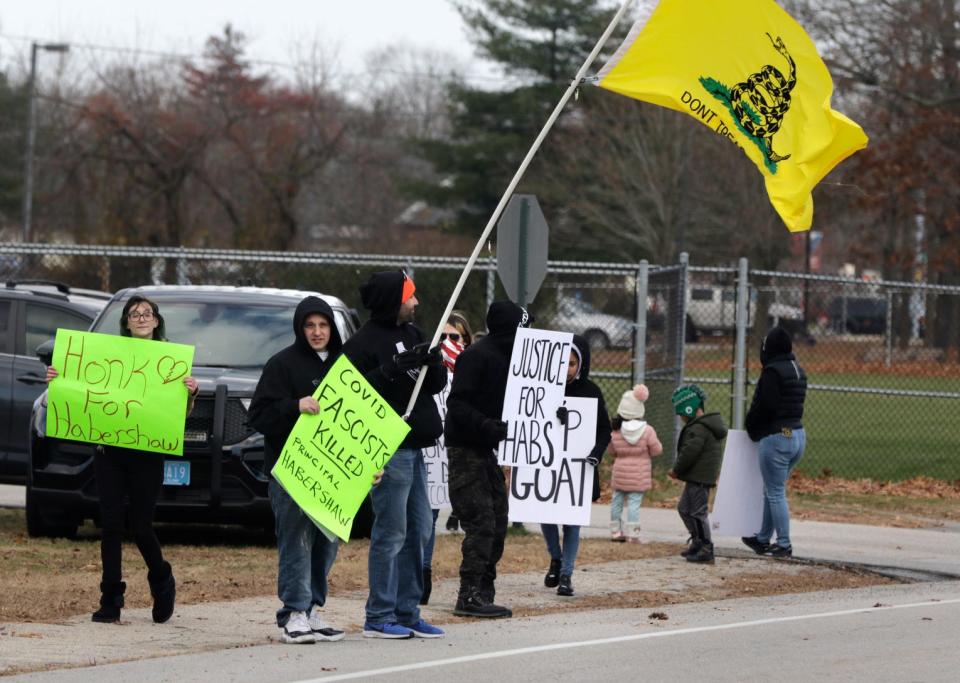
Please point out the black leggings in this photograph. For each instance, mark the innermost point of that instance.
(122, 474)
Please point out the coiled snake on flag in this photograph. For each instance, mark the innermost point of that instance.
(761, 101)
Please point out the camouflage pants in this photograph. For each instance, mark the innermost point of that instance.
(478, 495)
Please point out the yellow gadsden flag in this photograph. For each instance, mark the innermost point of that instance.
(747, 70)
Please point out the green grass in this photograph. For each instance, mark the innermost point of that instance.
(872, 436)
(850, 435)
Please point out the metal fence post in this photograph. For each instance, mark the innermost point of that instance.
(183, 271)
(740, 355)
(684, 286)
(640, 328)
(888, 356)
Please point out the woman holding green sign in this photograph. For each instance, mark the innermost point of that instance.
(138, 477)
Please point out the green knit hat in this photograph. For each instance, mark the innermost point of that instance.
(687, 399)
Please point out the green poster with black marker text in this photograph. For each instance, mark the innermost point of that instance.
(329, 460)
(119, 391)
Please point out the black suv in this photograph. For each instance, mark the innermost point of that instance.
(858, 314)
(220, 478)
(30, 313)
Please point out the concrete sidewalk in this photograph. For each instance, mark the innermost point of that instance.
(12, 496)
(910, 549)
(78, 642)
(922, 550)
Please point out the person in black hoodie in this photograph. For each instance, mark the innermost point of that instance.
(775, 419)
(285, 391)
(472, 432)
(389, 350)
(562, 559)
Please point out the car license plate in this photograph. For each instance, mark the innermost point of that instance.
(176, 473)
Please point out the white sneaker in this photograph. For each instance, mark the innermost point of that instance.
(297, 629)
(321, 629)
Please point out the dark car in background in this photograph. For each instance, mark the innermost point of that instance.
(220, 478)
(858, 314)
(30, 313)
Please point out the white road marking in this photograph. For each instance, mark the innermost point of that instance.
(618, 639)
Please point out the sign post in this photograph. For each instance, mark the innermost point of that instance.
(522, 246)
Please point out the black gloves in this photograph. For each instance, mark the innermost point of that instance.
(412, 359)
(562, 413)
(493, 431)
(433, 357)
(401, 363)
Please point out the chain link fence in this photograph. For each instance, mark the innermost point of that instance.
(883, 386)
(595, 300)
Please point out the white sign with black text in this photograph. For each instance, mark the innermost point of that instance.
(435, 458)
(562, 495)
(535, 384)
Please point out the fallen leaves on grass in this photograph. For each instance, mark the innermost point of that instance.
(918, 487)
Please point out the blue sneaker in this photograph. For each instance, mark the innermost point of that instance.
(424, 630)
(391, 630)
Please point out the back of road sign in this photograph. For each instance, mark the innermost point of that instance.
(522, 245)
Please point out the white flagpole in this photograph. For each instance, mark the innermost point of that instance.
(574, 84)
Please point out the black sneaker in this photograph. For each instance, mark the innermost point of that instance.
(755, 544)
(553, 575)
(566, 586)
(774, 550)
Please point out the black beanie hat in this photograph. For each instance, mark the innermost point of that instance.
(504, 317)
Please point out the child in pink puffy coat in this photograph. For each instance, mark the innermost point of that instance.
(633, 444)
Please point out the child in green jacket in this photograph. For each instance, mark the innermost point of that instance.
(699, 452)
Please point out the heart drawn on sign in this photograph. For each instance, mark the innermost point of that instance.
(170, 369)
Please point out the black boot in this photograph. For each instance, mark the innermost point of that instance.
(111, 600)
(704, 553)
(427, 586)
(471, 604)
(553, 574)
(163, 588)
(566, 586)
(693, 548)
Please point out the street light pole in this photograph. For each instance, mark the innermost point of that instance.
(32, 131)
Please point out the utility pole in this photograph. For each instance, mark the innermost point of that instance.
(32, 130)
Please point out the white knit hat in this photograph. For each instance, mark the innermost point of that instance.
(631, 403)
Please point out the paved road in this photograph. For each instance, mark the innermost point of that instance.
(837, 636)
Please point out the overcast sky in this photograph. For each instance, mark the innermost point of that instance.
(348, 28)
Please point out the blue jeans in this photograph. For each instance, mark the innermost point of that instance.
(401, 530)
(779, 454)
(571, 544)
(634, 500)
(305, 556)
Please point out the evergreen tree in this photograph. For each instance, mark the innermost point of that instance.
(538, 43)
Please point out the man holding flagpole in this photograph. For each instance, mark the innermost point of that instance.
(390, 352)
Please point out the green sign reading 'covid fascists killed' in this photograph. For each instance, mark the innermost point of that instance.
(119, 391)
(329, 460)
